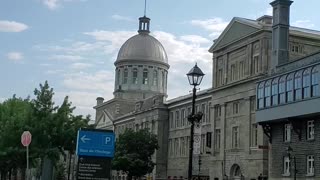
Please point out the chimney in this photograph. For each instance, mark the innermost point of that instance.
(99, 100)
(280, 32)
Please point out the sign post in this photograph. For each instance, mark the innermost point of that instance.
(25, 141)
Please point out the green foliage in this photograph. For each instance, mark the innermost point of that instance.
(53, 128)
(134, 152)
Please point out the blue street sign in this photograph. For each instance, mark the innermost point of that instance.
(95, 143)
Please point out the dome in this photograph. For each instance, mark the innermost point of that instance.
(142, 47)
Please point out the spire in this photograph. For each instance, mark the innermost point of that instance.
(144, 22)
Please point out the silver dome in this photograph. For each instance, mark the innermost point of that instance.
(142, 47)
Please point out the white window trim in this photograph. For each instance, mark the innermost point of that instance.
(310, 174)
(288, 139)
(286, 172)
(308, 132)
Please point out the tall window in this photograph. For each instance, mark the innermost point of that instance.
(286, 165)
(135, 76)
(282, 90)
(255, 64)
(125, 76)
(203, 110)
(203, 143)
(236, 107)
(274, 91)
(261, 95)
(267, 93)
(217, 111)
(297, 86)
(183, 117)
(217, 139)
(189, 112)
(209, 139)
(287, 133)
(306, 83)
(289, 89)
(233, 72)
(235, 137)
(219, 77)
(209, 112)
(163, 80)
(254, 135)
(118, 76)
(310, 165)
(241, 71)
(155, 77)
(310, 130)
(145, 76)
(177, 119)
(315, 82)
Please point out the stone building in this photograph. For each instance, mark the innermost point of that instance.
(288, 100)
(233, 145)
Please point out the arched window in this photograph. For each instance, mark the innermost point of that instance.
(267, 93)
(297, 86)
(289, 88)
(125, 76)
(306, 83)
(315, 81)
(261, 95)
(135, 76)
(118, 76)
(163, 79)
(282, 90)
(155, 77)
(145, 76)
(274, 91)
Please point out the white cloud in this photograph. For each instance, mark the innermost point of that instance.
(269, 11)
(2, 99)
(12, 26)
(15, 56)
(194, 39)
(214, 25)
(79, 66)
(122, 18)
(304, 24)
(54, 4)
(64, 57)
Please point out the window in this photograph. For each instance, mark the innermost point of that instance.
(171, 120)
(125, 76)
(209, 113)
(118, 76)
(203, 142)
(233, 72)
(177, 119)
(255, 64)
(286, 165)
(274, 91)
(176, 146)
(241, 71)
(170, 147)
(155, 77)
(306, 83)
(217, 139)
(267, 93)
(310, 165)
(252, 103)
(235, 137)
(217, 111)
(209, 139)
(182, 147)
(236, 107)
(135, 76)
(183, 117)
(163, 79)
(287, 132)
(282, 90)
(145, 76)
(289, 90)
(189, 112)
(203, 110)
(310, 130)
(297, 86)
(261, 95)
(254, 135)
(219, 77)
(315, 82)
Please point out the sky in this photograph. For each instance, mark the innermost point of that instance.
(73, 43)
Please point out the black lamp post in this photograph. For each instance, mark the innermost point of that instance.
(195, 76)
(289, 151)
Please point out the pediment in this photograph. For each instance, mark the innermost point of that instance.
(237, 29)
(104, 120)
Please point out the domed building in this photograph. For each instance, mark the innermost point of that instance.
(141, 66)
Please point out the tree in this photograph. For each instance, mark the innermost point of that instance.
(134, 152)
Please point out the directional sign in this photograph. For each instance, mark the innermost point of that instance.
(93, 168)
(95, 143)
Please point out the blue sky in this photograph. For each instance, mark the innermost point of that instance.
(73, 43)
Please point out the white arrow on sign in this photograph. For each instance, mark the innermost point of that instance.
(84, 139)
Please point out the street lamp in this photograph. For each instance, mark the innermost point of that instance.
(195, 76)
(289, 152)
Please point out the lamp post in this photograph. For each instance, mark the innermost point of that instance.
(289, 151)
(195, 76)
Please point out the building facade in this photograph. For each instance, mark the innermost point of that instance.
(234, 136)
